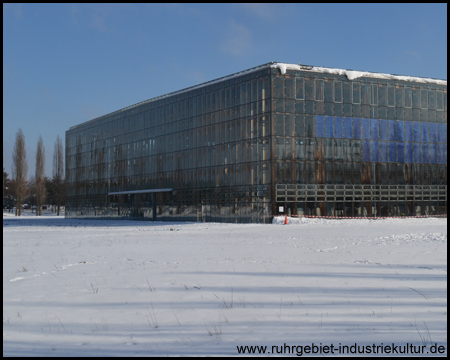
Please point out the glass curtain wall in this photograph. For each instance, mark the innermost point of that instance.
(367, 147)
(211, 145)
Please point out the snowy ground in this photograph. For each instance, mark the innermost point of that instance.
(129, 288)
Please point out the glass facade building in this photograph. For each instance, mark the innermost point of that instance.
(274, 139)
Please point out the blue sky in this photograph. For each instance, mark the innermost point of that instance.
(64, 64)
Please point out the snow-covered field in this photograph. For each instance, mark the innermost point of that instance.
(132, 288)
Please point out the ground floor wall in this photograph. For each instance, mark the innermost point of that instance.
(360, 200)
(244, 204)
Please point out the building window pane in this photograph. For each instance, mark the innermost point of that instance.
(299, 125)
(290, 88)
(424, 133)
(338, 91)
(328, 95)
(383, 148)
(374, 152)
(433, 153)
(439, 100)
(441, 131)
(392, 152)
(382, 97)
(374, 95)
(383, 130)
(299, 88)
(417, 157)
(424, 98)
(356, 93)
(415, 98)
(329, 126)
(441, 158)
(417, 131)
(365, 93)
(366, 128)
(347, 150)
(338, 128)
(338, 150)
(357, 128)
(391, 96)
(408, 152)
(408, 97)
(400, 131)
(432, 132)
(299, 149)
(374, 129)
(320, 126)
(309, 126)
(309, 89)
(348, 128)
(347, 93)
(432, 99)
(328, 148)
(279, 145)
(425, 153)
(319, 89)
(392, 130)
(400, 152)
(356, 151)
(366, 150)
(399, 96)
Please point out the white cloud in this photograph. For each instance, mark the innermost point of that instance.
(238, 41)
(262, 10)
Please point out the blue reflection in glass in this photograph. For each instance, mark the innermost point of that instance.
(400, 131)
(366, 128)
(433, 154)
(417, 131)
(383, 130)
(440, 133)
(383, 147)
(408, 131)
(348, 128)
(408, 136)
(338, 128)
(329, 127)
(417, 153)
(392, 130)
(440, 153)
(432, 133)
(374, 130)
(366, 150)
(356, 128)
(400, 152)
(374, 151)
(425, 158)
(319, 126)
(392, 152)
(425, 132)
(409, 152)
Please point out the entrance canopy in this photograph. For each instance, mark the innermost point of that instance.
(140, 191)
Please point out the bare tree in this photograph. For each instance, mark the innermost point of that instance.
(58, 173)
(39, 185)
(19, 171)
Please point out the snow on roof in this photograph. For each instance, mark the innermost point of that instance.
(352, 74)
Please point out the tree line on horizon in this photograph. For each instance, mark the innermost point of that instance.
(39, 189)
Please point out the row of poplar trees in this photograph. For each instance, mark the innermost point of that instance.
(37, 187)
